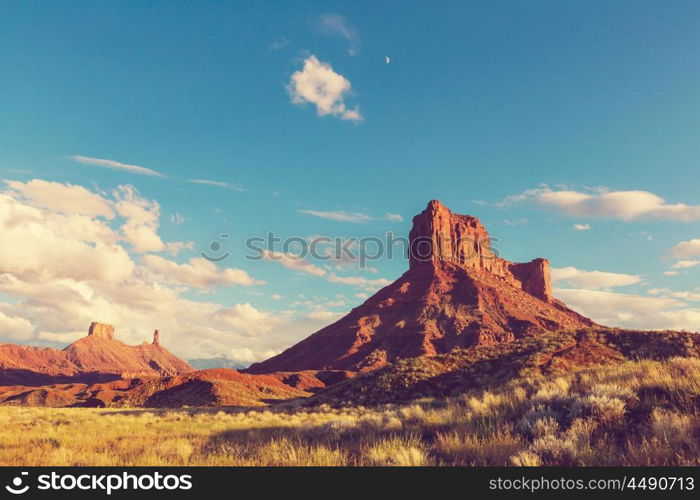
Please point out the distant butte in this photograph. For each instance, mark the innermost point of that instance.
(98, 356)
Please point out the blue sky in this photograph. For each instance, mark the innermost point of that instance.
(478, 103)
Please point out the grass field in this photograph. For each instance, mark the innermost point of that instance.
(635, 413)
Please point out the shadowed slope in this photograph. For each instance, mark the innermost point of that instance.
(215, 387)
(491, 366)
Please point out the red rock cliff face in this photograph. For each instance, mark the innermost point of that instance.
(457, 293)
(438, 235)
(534, 278)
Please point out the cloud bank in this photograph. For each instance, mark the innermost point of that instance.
(71, 256)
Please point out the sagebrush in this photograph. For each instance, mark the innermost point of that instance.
(634, 413)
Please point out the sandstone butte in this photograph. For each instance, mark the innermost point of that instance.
(96, 357)
(457, 293)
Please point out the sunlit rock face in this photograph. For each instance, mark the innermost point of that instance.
(456, 293)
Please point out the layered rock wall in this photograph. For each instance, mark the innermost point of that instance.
(438, 235)
(101, 330)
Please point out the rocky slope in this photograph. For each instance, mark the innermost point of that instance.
(491, 366)
(457, 293)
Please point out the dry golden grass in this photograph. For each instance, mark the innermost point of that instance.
(644, 413)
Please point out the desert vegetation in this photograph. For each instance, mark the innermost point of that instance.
(482, 367)
(632, 413)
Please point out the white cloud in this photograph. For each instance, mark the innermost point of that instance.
(225, 185)
(247, 355)
(245, 319)
(292, 262)
(623, 205)
(298, 264)
(632, 311)
(336, 25)
(61, 337)
(684, 264)
(358, 281)
(515, 223)
(592, 280)
(198, 272)
(63, 198)
(689, 296)
(318, 84)
(671, 273)
(175, 247)
(50, 244)
(278, 44)
(685, 249)
(353, 115)
(177, 219)
(142, 219)
(115, 165)
(338, 215)
(342, 252)
(581, 227)
(343, 216)
(326, 316)
(15, 328)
